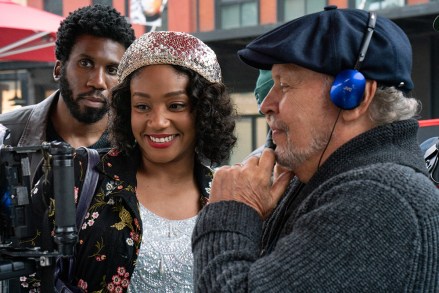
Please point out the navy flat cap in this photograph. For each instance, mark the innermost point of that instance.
(329, 42)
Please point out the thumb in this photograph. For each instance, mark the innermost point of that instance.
(280, 185)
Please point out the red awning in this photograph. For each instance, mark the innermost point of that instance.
(26, 33)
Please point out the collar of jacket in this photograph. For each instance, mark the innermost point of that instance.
(37, 120)
(122, 167)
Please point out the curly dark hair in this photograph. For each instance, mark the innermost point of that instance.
(215, 117)
(96, 20)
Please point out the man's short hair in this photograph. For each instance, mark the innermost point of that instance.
(96, 20)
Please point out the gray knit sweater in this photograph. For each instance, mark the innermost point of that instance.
(368, 221)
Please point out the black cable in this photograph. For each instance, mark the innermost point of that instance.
(329, 140)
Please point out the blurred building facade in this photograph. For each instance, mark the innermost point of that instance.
(227, 26)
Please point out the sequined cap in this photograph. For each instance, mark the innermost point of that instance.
(168, 47)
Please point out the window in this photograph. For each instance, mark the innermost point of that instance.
(236, 13)
(251, 131)
(378, 4)
(103, 2)
(53, 6)
(291, 9)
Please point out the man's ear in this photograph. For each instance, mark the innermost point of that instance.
(57, 70)
(369, 93)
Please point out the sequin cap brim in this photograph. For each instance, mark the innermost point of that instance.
(168, 47)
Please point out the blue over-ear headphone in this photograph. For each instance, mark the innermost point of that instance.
(347, 90)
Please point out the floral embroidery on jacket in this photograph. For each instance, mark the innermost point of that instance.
(110, 237)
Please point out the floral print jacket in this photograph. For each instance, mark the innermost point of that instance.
(110, 237)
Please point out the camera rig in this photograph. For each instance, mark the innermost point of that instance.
(16, 222)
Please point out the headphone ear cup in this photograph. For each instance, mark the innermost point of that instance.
(347, 90)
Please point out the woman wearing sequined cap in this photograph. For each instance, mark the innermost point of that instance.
(170, 113)
(172, 119)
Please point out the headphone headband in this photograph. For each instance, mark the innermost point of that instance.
(366, 39)
(347, 90)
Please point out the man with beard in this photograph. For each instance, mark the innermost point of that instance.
(365, 217)
(90, 43)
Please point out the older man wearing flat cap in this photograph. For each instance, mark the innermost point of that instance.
(366, 216)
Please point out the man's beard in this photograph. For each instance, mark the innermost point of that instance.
(291, 157)
(89, 115)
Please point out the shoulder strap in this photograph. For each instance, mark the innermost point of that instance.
(88, 188)
(65, 266)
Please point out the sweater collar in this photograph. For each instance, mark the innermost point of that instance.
(391, 143)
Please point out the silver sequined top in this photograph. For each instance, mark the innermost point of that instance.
(165, 258)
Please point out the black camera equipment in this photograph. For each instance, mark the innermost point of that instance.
(16, 222)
